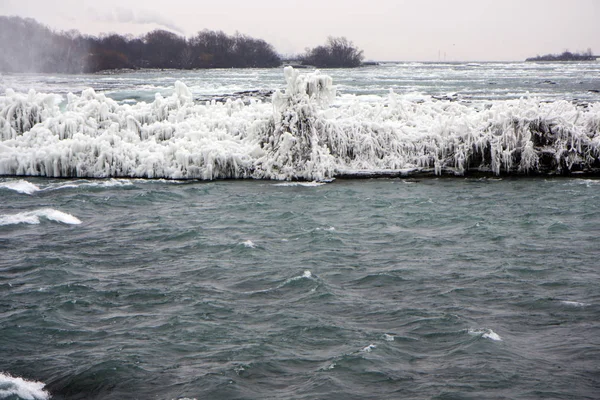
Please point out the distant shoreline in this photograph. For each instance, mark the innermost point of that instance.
(566, 56)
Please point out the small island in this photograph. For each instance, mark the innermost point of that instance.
(565, 56)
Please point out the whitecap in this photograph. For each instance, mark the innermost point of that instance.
(303, 184)
(11, 387)
(239, 369)
(33, 217)
(20, 186)
(21, 218)
(114, 183)
(249, 243)
(486, 334)
(96, 184)
(574, 303)
(587, 182)
(369, 348)
(329, 229)
(388, 338)
(305, 275)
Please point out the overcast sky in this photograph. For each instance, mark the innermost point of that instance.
(403, 30)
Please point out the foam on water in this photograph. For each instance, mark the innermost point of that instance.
(485, 333)
(110, 183)
(587, 182)
(249, 244)
(303, 184)
(388, 338)
(328, 229)
(20, 186)
(305, 275)
(33, 217)
(574, 303)
(25, 187)
(369, 348)
(19, 388)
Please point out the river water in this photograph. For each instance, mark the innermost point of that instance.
(443, 288)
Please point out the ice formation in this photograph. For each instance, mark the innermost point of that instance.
(301, 135)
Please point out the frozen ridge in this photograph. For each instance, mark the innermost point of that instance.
(298, 136)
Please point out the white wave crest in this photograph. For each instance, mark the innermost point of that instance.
(388, 338)
(19, 388)
(33, 217)
(109, 183)
(303, 184)
(368, 348)
(486, 334)
(329, 229)
(20, 186)
(574, 303)
(249, 243)
(305, 275)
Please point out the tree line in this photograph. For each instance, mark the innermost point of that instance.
(28, 46)
(566, 56)
(336, 53)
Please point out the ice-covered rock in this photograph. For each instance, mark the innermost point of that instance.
(302, 134)
(293, 146)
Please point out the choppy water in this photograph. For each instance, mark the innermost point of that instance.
(469, 81)
(438, 288)
(446, 288)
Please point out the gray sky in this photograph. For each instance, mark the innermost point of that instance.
(403, 30)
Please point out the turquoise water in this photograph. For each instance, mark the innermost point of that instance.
(445, 288)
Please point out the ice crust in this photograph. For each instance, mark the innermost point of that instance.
(304, 134)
